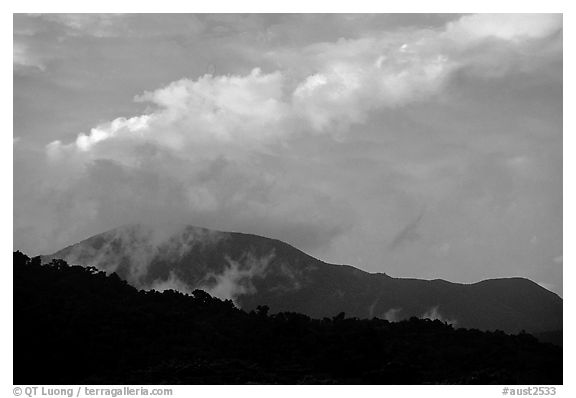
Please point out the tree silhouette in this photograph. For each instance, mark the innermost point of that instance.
(78, 325)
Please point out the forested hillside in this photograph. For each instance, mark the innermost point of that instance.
(77, 325)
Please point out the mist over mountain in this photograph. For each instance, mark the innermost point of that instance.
(252, 270)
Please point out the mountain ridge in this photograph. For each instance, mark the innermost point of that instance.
(50, 256)
(253, 270)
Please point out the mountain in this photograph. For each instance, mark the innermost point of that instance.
(253, 270)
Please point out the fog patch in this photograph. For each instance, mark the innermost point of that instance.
(172, 283)
(236, 279)
(392, 315)
(371, 309)
(292, 278)
(130, 250)
(434, 314)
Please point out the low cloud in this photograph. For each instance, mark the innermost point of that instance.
(434, 314)
(392, 315)
(130, 250)
(236, 279)
(172, 283)
(78, 200)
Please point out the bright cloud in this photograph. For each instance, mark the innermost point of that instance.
(510, 27)
(353, 78)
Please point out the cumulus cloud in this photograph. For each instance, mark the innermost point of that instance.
(224, 107)
(356, 77)
(235, 110)
(340, 84)
(510, 27)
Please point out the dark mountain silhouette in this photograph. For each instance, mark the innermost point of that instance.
(253, 270)
(77, 325)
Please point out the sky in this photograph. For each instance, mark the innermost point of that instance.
(419, 145)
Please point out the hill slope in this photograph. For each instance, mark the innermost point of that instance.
(253, 270)
(75, 325)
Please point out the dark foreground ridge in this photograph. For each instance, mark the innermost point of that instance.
(75, 325)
